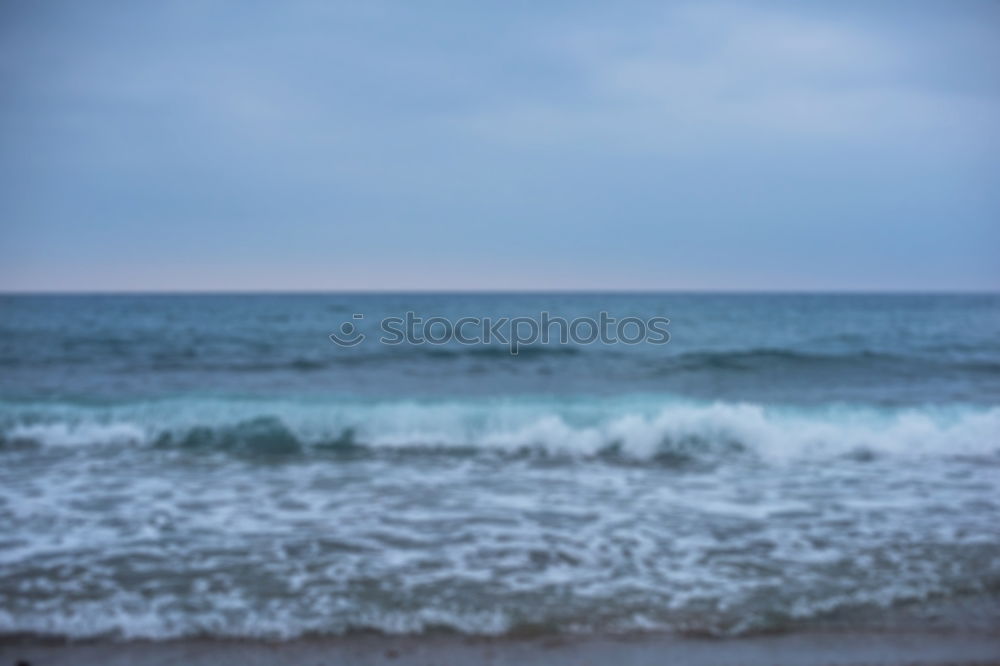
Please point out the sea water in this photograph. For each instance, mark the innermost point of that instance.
(214, 465)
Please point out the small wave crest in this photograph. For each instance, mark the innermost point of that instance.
(775, 361)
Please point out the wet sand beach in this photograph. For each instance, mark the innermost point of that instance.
(810, 649)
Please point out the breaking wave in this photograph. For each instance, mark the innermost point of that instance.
(643, 428)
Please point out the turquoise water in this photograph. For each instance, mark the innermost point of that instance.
(215, 465)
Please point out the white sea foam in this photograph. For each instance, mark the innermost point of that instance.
(77, 433)
(113, 532)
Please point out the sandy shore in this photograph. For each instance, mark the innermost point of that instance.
(816, 649)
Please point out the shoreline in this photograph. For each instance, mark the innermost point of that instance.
(796, 649)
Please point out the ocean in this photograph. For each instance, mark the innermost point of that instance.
(216, 466)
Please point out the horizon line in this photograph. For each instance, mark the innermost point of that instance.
(529, 291)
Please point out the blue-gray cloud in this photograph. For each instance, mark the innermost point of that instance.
(399, 145)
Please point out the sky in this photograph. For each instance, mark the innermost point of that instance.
(224, 145)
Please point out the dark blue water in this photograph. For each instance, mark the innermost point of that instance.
(176, 465)
(897, 349)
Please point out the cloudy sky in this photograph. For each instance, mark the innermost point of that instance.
(516, 145)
